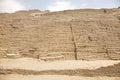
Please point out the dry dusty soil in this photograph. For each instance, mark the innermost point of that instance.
(32, 69)
(54, 77)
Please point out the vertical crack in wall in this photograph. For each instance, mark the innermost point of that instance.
(108, 54)
(108, 51)
(74, 43)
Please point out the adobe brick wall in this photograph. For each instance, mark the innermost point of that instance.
(96, 33)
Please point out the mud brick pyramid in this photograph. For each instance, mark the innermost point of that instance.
(90, 33)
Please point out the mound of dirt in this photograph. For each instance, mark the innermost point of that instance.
(86, 34)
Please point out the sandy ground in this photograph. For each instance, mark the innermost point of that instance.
(33, 64)
(53, 77)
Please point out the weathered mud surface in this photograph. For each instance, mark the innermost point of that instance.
(67, 35)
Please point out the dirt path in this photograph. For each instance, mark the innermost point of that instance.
(32, 64)
(54, 77)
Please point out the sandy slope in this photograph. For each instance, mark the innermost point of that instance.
(32, 64)
(54, 77)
